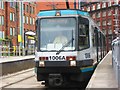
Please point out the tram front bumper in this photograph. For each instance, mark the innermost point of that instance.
(62, 66)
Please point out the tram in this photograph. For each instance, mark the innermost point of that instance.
(69, 46)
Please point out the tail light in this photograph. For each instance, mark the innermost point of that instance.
(43, 58)
(71, 58)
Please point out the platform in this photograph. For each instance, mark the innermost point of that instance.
(16, 58)
(12, 64)
(104, 76)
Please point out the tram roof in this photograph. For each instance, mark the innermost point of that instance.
(62, 12)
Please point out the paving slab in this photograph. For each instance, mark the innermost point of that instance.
(104, 76)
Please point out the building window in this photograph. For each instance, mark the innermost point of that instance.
(98, 5)
(104, 5)
(12, 4)
(24, 7)
(104, 23)
(26, 19)
(116, 11)
(98, 23)
(109, 3)
(33, 21)
(27, 8)
(93, 7)
(104, 14)
(93, 16)
(116, 2)
(97, 15)
(30, 20)
(109, 30)
(12, 17)
(30, 9)
(2, 35)
(11, 32)
(23, 19)
(109, 12)
(1, 5)
(1, 20)
(88, 9)
(109, 22)
(104, 31)
(33, 10)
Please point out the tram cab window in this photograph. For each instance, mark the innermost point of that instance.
(83, 37)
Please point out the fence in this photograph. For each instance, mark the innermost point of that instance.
(116, 58)
(15, 51)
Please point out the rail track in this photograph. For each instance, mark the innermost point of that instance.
(16, 78)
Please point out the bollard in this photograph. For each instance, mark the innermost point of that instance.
(0, 51)
(9, 51)
(19, 51)
(16, 50)
(23, 53)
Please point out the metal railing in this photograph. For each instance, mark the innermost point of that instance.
(116, 58)
(6, 51)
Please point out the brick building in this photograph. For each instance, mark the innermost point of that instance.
(55, 5)
(20, 18)
(2, 22)
(17, 18)
(107, 16)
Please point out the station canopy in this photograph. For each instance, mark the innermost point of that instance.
(31, 33)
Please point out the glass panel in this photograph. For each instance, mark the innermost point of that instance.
(2, 6)
(33, 21)
(27, 19)
(10, 16)
(83, 33)
(23, 19)
(30, 20)
(0, 20)
(13, 17)
(56, 33)
(11, 31)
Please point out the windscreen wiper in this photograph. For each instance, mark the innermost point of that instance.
(68, 43)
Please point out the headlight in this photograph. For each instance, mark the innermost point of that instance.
(41, 63)
(72, 63)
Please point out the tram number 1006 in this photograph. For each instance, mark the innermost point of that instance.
(54, 58)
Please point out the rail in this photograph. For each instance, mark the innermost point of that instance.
(6, 51)
(116, 58)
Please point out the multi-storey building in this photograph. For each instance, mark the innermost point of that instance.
(2, 22)
(107, 16)
(54, 5)
(17, 18)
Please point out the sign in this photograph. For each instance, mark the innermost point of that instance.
(19, 38)
(30, 37)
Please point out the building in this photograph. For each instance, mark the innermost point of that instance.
(107, 16)
(55, 5)
(17, 18)
(2, 22)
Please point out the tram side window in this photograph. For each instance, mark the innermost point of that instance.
(83, 33)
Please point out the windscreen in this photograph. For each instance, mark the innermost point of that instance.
(55, 33)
